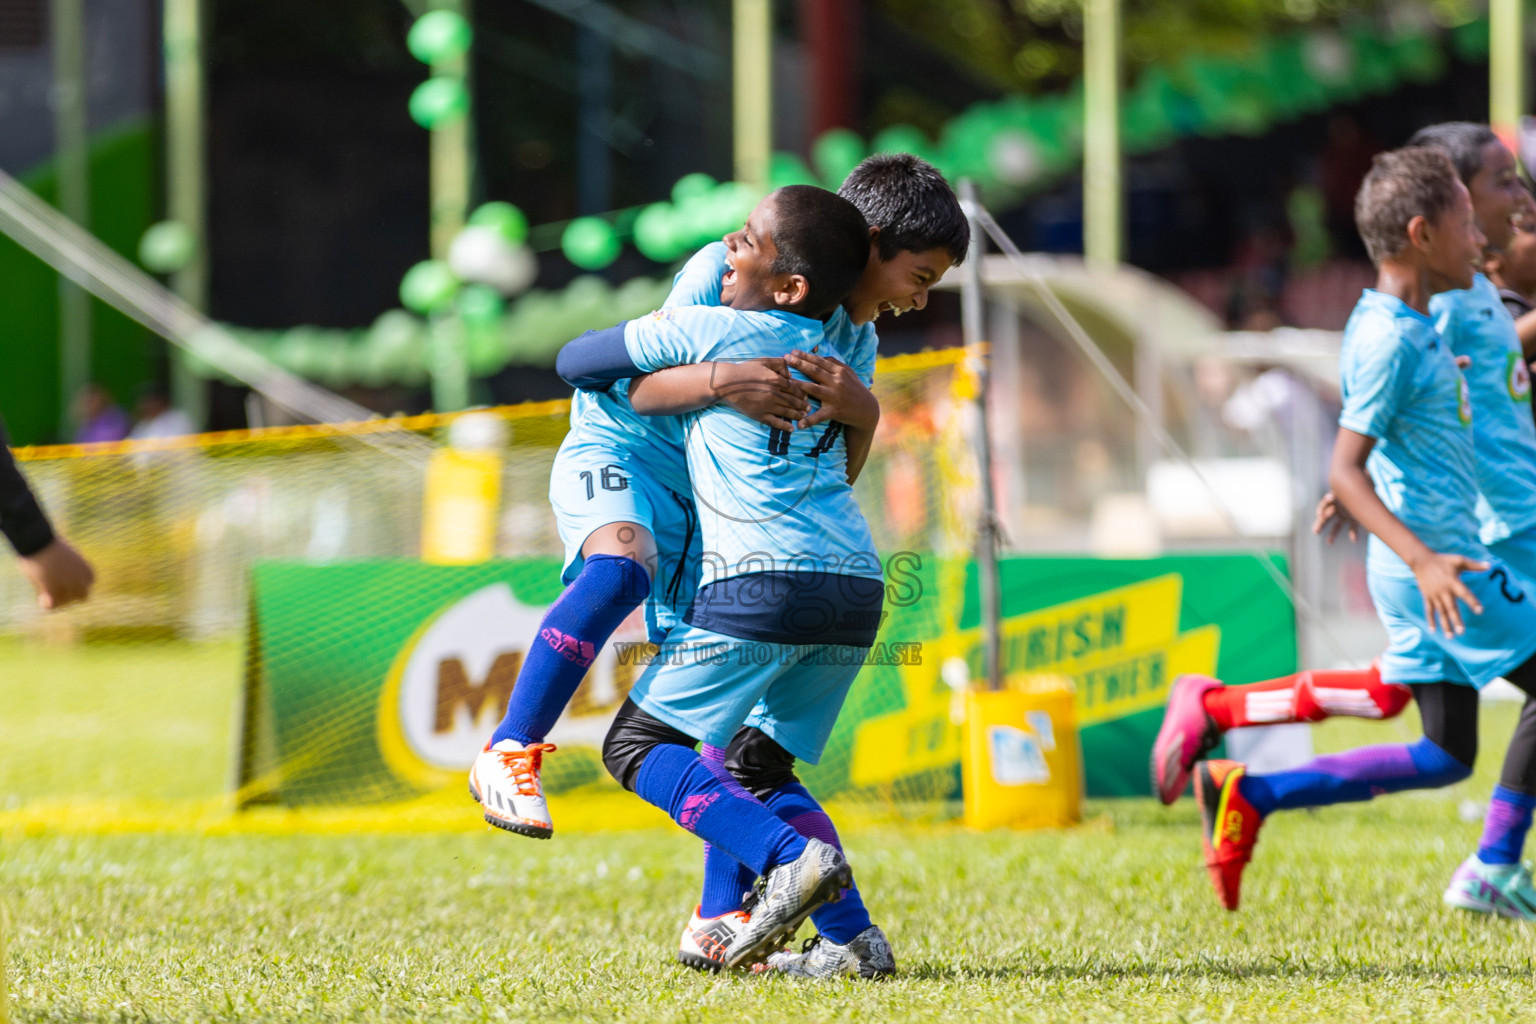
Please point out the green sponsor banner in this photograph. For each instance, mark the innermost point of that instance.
(381, 680)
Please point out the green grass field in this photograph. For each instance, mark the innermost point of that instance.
(1108, 922)
(1112, 921)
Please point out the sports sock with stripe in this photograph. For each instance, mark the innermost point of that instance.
(1353, 776)
(1504, 829)
(678, 781)
(726, 879)
(843, 920)
(574, 629)
(1307, 697)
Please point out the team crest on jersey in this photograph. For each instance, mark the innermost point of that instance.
(1463, 401)
(1518, 377)
(661, 314)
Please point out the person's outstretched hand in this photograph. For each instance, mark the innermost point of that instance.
(59, 573)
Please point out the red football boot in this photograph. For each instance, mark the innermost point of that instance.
(1229, 826)
(1187, 734)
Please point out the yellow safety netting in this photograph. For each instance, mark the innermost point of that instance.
(135, 710)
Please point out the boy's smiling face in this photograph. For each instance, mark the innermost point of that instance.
(897, 285)
(750, 282)
(1497, 194)
(1452, 244)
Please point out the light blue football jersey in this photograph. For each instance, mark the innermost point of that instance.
(1474, 323)
(1400, 385)
(768, 500)
(606, 417)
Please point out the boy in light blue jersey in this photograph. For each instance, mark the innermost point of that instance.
(1403, 464)
(791, 598)
(624, 510)
(1480, 331)
(619, 484)
(1475, 323)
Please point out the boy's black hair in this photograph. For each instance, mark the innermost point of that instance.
(912, 205)
(1415, 181)
(822, 237)
(1462, 141)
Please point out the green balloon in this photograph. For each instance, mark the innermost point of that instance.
(694, 222)
(902, 138)
(439, 36)
(656, 233)
(480, 305)
(788, 169)
(590, 243)
(730, 204)
(439, 101)
(835, 154)
(487, 351)
(428, 287)
(167, 247)
(504, 218)
(692, 186)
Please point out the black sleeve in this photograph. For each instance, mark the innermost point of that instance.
(21, 518)
(595, 360)
(1517, 304)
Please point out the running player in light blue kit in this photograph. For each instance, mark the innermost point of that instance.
(1479, 329)
(791, 597)
(1474, 322)
(1403, 464)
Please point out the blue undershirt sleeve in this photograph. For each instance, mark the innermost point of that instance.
(596, 359)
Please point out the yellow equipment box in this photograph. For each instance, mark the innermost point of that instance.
(1023, 767)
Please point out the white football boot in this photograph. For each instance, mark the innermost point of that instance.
(789, 893)
(867, 955)
(706, 940)
(505, 781)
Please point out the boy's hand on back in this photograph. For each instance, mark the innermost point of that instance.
(761, 389)
(1439, 579)
(842, 394)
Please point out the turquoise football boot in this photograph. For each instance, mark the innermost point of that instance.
(1502, 889)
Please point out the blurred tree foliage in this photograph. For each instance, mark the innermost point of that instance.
(1028, 45)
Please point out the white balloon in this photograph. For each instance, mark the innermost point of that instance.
(1328, 56)
(482, 255)
(1014, 158)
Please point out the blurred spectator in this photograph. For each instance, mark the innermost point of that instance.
(1341, 166)
(1306, 209)
(157, 417)
(100, 418)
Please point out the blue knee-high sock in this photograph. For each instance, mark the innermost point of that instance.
(574, 629)
(1353, 776)
(675, 779)
(726, 879)
(841, 921)
(1509, 819)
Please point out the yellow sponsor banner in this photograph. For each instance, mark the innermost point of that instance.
(1139, 681)
(1121, 648)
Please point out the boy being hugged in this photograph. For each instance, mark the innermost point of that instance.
(792, 590)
